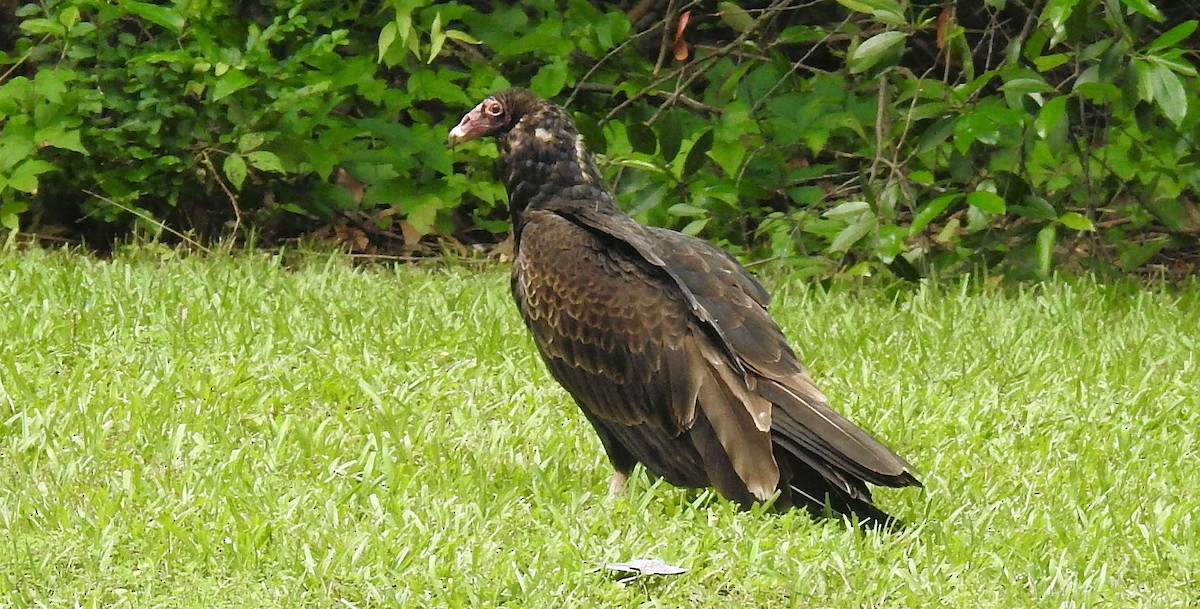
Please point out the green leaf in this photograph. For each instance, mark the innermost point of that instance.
(1145, 79)
(862, 7)
(549, 80)
(1144, 7)
(802, 33)
(1172, 212)
(250, 141)
(1026, 85)
(641, 138)
(1055, 14)
(1173, 62)
(235, 170)
(728, 156)
(929, 212)
(735, 17)
(694, 227)
(14, 150)
(1051, 123)
(1036, 207)
(404, 22)
(15, 95)
(936, 134)
(985, 200)
(592, 134)
(853, 234)
(696, 156)
(1097, 49)
(921, 176)
(1169, 94)
(889, 242)
(43, 26)
(1137, 254)
(1046, 239)
(874, 49)
(24, 177)
(1052, 113)
(1045, 63)
(51, 83)
(265, 160)
(387, 36)
(1076, 221)
(1174, 35)
(847, 209)
(981, 125)
(670, 137)
(949, 234)
(436, 38)
(11, 210)
(60, 138)
(636, 164)
(886, 11)
(461, 36)
(165, 16)
(229, 83)
(684, 209)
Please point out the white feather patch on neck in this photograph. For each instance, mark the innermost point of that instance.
(581, 159)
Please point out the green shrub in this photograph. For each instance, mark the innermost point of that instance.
(844, 136)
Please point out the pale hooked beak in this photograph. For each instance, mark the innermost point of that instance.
(472, 125)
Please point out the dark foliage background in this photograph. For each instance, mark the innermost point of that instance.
(838, 137)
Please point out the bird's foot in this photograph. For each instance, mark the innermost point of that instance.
(616, 488)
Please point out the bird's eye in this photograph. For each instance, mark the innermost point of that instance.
(494, 109)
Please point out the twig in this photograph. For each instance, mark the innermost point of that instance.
(667, 32)
(648, 89)
(398, 258)
(20, 61)
(151, 219)
(583, 81)
(768, 14)
(237, 211)
(908, 120)
(881, 107)
(471, 51)
(640, 10)
(683, 100)
(829, 36)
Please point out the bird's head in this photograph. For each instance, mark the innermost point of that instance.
(542, 155)
(494, 116)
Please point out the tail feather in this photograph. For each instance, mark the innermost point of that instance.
(826, 461)
(815, 428)
(808, 487)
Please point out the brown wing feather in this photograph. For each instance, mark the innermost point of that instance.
(623, 341)
(729, 306)
(607, 320)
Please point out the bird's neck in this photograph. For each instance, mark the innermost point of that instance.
(544, 161)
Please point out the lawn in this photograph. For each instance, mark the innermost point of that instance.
(236, 431)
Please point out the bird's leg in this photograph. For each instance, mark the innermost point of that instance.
(616, 488)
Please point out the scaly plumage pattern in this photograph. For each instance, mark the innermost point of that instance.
(663, 340)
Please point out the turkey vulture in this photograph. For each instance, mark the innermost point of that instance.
(663, 340)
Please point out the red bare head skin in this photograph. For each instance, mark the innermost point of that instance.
(484, 119)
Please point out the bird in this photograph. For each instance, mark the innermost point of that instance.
(664, 340)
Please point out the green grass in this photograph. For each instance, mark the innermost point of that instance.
(227, 431)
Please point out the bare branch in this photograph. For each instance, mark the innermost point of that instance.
(233, 200)
(682, 100)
